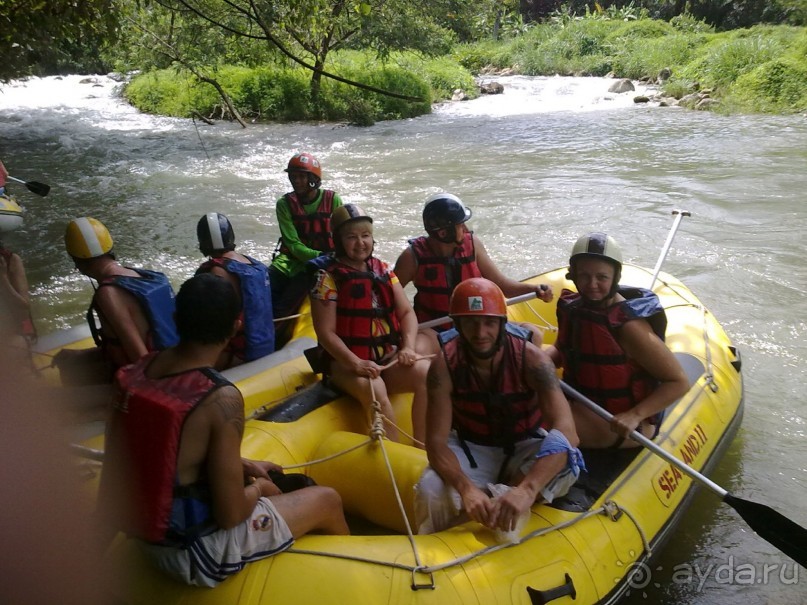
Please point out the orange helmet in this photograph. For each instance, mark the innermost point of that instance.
(477, 296)
(305, 162)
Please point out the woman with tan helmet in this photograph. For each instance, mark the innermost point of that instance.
(131, 313)
(365, 324)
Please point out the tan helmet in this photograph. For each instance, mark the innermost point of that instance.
(87, 237)
(346, 214)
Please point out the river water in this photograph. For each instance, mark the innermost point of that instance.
(541, 164)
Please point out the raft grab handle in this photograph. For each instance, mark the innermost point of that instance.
(541, 597)
(427, 586)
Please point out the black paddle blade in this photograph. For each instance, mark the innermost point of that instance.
(37, 187)
(772, 526)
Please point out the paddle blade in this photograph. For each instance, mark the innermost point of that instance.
(37, 187)
(772, 526)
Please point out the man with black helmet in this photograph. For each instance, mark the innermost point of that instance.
(496, 420)
(611, 347)
(304, 218)
(449, 254)
(250, 279)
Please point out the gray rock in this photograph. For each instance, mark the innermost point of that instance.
(622, 85)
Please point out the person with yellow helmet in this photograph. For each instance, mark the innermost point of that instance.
(131, 313)
(365, 324)
(611, 348)
(304, 219)
(496, 418)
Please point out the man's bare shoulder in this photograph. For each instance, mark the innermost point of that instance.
(225, 406)
(540, 368)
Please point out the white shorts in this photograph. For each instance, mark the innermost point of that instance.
(439, 506)
(212, 558)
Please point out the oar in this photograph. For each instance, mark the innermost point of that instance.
(442, 320)
(33, 186)
(770, 525)
(679, 214)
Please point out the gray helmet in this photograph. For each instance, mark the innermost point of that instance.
(601, 246)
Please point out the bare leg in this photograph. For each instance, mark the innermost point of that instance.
(312, 509)
(358, 387)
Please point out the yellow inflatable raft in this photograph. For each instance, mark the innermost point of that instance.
(579, 551)
(10, 214)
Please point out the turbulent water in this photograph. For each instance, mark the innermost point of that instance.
(546, 161)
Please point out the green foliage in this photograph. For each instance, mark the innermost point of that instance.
(778, 86)
(728, 56)
(53, 36)
(277, 93)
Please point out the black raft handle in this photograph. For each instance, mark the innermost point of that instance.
(541, 597)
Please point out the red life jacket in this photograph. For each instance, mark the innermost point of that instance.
(502, 415)
(144, 433)
(592, 360)
(437, 276)
(362, 297)
(314, 229)
(26, 322)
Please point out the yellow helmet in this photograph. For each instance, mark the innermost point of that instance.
(86, 237)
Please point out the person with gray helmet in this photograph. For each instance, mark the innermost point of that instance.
(304, 218)
(449, 254)
(250, 279)
(610, 346)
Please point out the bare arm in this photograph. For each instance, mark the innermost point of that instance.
(649, 351)
(409, 326)
(556, 414)
(232, 501)
(14, 284)
(406, 267)
(125, 320)
(510, 287)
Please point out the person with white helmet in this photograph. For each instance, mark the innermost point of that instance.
(611, 348)
(304, 219)
(250, 279)
(500, 435)
(450, 253)
(365, 324)
(131, 313)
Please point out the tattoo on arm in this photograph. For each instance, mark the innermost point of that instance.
(432, 379)
(231, 406)
(543, 376)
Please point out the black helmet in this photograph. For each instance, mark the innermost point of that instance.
(215, 233)
(441, 212)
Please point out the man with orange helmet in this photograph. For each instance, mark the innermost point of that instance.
(497, 420)
(304, 218)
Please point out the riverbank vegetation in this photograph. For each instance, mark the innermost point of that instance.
(390, 59)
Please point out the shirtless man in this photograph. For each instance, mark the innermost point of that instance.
(199, 511)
